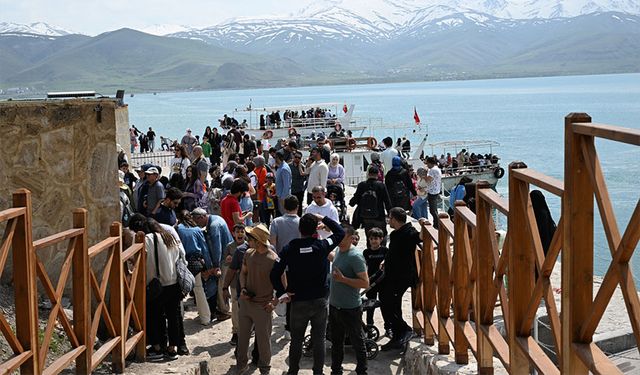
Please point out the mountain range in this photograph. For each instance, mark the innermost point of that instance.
(335, 41)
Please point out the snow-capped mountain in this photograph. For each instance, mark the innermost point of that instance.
(36, 28)
(164, 29)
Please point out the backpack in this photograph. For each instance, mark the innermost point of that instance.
(127, 212)
(369, 204)
(400, 194)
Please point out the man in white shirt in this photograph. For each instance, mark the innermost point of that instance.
(317, 171)
(434, 181)
(323, 207)
(387, 155)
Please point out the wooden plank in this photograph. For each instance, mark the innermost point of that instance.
(495, 200)
(577, 249)
(12, 340)
(103, 245)
(131, 251)
(132, 341)
(595, 360)
(498, 343)
(64, 361)
(57, 238)
(614, 133)
(521, 267)
(466, 214)
(533, 177)
(81, 294)
(7, 241)
(447, 224)
(537, 356)
(469, 336)
(24, 284)
(11, 213)
(14, 362)
(100, 354)
(140, 297)
(460, 289)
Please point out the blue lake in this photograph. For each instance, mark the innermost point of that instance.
(525, 115)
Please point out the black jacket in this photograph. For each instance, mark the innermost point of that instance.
(399, 174)
(308, 271)
(381, 193)
(400, 263)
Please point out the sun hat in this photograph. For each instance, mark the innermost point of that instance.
(260, 233)
(152, 170)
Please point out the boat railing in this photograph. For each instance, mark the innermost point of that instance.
(470, 169)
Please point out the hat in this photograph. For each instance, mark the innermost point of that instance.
(199, 212)
(152, 170)
(321, 138)
(259, 233)
(138, 168)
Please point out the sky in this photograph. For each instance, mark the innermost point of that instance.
(94, 17)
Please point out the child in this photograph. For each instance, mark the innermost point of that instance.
(239, 240)
(270, 198)
(374, 255)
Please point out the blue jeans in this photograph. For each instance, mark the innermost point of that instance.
(420, 208)
(246, 205)
(303, 312)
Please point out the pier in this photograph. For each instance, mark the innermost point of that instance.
(464, 277)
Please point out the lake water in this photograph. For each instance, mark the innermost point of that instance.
(526, 116)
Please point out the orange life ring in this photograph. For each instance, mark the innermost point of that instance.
(267, 135)
(372, 143)
(351, 144)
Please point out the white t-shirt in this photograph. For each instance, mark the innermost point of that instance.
(327, 210)
(317, 175)
(387, 158)
(435, 186)
(179, 165)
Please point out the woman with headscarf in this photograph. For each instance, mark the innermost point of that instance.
(375, 160)
(544, 220)
(336, 171)
(399, 185)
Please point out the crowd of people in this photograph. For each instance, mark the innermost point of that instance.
(258, 227)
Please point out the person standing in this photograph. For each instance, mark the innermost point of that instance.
(230, 205)
(323, 207)
(371, 198)
(256, 299)
(306, 259)
(399, 185)
(388, 154)
(434, 181)
(298, 178)
(400, 273)
(283, 181)
(189, 142)
(419, 206)
(348, 276)
(216, 150)
(284, 229)
(374, 255)
(151, 135)
(155, 193)
(229, 276)
(317, 171)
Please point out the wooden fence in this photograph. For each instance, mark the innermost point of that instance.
(462, 284)
(122, 314)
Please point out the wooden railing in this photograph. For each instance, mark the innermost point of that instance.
(126, 295)
(458, 293)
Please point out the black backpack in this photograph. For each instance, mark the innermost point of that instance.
(399, 195)
(369, 204)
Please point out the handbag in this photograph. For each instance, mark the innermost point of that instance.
(186, 280)
(154, 287)
(195, 263)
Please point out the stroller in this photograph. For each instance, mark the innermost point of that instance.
(371, 333)
(335, 193)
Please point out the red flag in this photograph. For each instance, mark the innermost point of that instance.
(415, 116)
(345, 109)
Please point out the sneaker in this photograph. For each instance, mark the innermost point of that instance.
(389, 333)
(234, 339)
(393, 344)
(154, 355)
(171, 356)
(183, 350)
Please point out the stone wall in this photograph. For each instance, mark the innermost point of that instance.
(66, 156)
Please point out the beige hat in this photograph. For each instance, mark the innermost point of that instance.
(259, 233)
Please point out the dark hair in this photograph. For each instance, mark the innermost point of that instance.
(280, 155)
(307, 225)
(373, 170)
(293, 144)
(239, 186)
(177, 181)
(291, 203)
(375, 232)
(138, 223)
(184, 217)
(348, 230)
(431, 160)
(164, 181)
(399, 214)
(173, 193)
(238, 226)
(167, 238)
(250, 166)
(388, 142)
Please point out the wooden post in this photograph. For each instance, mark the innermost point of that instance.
(81, 293)
(460, 287)
(444, 286)
(140, 299)
(483, 268)
(116, 300)
(428, 286)
(24, 283)
(577, 250)
(521, 268)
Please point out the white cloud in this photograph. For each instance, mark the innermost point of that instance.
(93, 17)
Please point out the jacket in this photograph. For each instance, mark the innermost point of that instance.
(400, 262)
(381, 193)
